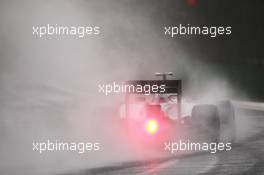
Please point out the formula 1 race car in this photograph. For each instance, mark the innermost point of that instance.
(162, 115)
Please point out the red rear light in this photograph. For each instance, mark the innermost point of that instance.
(151, 126)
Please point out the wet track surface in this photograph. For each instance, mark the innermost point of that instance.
(245, 158)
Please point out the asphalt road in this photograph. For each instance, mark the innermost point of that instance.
(245, 158)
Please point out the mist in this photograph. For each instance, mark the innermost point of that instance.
(49, 86)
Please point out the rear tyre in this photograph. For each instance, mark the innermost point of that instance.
(227, 121)
(206, 122)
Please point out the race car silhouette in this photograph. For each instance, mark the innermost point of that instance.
(160, 116)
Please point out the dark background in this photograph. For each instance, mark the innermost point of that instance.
(239, 56)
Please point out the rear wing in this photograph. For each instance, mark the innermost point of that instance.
(157, 87)
(168, 86)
